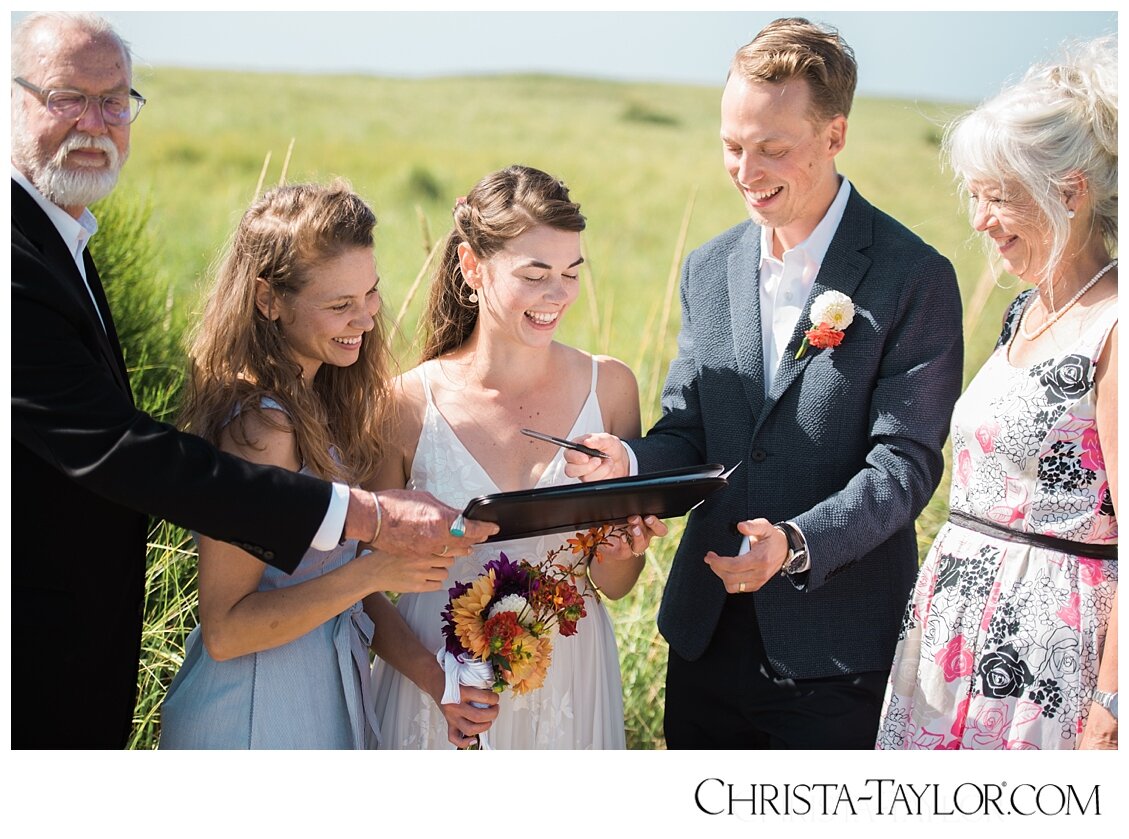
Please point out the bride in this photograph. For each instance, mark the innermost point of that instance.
(490, 367)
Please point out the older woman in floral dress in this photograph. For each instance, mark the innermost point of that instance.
(1010, 638)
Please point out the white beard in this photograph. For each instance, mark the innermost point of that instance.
(67, 187)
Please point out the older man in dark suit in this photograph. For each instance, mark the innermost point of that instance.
(87, 465)
(785, 596)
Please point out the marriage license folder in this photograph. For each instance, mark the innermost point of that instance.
(555, 509)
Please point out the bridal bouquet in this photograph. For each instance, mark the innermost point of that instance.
(497, 628)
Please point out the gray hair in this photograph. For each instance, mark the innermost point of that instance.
(89, 22)
(1058, 122)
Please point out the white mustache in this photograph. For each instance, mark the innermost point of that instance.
(76, 141)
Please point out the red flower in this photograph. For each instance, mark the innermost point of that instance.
(824, 336)
(500, 632)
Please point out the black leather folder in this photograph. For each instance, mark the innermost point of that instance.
(573, 507)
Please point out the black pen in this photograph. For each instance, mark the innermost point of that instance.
(564, 444)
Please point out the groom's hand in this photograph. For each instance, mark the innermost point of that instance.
(588, 468)
(768, 549)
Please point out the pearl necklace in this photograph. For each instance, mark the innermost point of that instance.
(1053, 319)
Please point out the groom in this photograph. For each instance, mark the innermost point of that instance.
(785, 595)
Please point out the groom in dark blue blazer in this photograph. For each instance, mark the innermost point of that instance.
(786, 593)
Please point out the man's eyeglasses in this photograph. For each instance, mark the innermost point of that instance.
(116, 108)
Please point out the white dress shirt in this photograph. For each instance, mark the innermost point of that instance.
(76, 233)
(785, 283)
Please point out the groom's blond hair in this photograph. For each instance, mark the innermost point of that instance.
(794, 47)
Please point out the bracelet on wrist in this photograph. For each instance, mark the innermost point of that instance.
(379, 519)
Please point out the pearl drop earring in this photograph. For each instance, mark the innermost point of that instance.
(473, 297)
(1070, 214)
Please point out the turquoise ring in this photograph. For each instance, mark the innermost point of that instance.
(458, 526)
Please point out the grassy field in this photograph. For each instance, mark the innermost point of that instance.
(643, 160)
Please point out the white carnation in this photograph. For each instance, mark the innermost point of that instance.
(510, 603)
(833, 308)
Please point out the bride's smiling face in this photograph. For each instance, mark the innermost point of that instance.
(525, 288)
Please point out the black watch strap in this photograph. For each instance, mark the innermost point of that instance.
(797, 553)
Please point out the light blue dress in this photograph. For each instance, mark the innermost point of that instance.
(311, 693)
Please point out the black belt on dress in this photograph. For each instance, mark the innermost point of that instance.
(1038, 540)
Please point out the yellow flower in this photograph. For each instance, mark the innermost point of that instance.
(467, 613)
(529, 666)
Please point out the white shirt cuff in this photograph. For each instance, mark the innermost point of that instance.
(328, 536)
(632, 461)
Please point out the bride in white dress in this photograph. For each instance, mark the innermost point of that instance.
(490, 368)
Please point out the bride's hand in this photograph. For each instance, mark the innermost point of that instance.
(633, 541)
(465, 721)
(618, 563)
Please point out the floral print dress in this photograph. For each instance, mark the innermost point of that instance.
(1001, 641)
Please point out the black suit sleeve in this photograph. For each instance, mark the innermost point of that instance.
(69, 410)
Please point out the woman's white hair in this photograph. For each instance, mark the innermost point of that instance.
(1059, 122)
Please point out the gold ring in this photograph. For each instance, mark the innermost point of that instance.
(443, 552)
(741, 588)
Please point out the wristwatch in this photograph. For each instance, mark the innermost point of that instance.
(1107, 699)
(797, 559)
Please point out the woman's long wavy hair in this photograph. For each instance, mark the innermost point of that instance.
(238, 355)
(502, 206)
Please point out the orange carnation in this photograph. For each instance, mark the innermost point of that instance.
(824, 336)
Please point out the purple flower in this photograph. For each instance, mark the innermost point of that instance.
(509, 577)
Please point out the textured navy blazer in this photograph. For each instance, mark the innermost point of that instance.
(848, 442)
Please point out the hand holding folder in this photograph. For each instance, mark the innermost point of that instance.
(555, 509)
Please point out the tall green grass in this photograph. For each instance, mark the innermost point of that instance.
(643, 159)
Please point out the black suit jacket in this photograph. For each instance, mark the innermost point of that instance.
(847, 443)
(87, 469)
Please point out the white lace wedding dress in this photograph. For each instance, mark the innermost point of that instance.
(580, 705)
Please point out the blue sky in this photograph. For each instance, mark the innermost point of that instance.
(951, 56)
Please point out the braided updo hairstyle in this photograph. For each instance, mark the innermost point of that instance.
(502, 206)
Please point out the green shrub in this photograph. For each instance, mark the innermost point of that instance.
(151, 334)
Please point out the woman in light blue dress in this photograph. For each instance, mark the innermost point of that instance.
(288, 369)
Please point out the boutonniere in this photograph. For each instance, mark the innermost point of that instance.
(831, 314)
